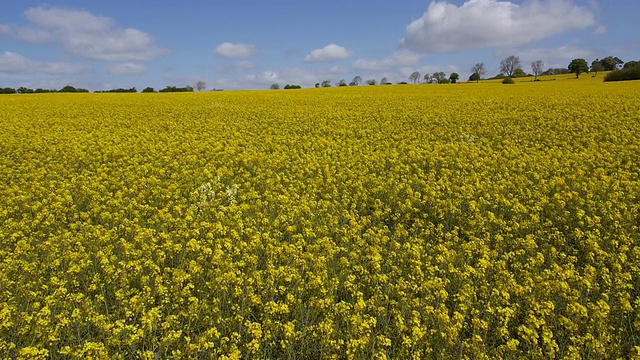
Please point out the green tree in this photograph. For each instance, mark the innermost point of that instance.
(474, 77)
(596, 66)
(611, 63)
(578, 66)
(454, 77)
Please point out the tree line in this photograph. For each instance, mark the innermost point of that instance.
(199, 86)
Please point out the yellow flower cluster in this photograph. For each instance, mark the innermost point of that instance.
(474, 221)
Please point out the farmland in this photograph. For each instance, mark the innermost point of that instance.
(416, 221)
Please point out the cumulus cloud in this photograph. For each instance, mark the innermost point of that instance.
(445, 27)
(90, 36)
(331, 52)
(236, 51)
(12, 63)
(127, 68)
(400, 58)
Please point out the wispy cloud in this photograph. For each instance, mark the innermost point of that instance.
(236, 51)
(12, 63)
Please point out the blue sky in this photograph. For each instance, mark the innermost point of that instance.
(249, 44)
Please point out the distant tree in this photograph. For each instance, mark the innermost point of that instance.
(317, 85)
(509, 65)
(438, 77)
(287, 87)
(356, 81)
(536, 68)
(201, 85)
(371, 82)
(177, 89)
(508, 80)
(342, 83)
(596, 66)
(148, 89)
(275, 86)
(7, 90)
(326, 83)
(384, 81)
(478, 69)
(454, 78)
(630, 64)
(427, 78)
(556, 71)
(611, 63)
(71, 89)
(415, 76)
(578, 66)
(474, 77)
(519, 73)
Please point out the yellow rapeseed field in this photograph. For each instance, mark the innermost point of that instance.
(475, 221)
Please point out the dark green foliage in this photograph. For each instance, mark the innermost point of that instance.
(454, 78)
(287, 87)
(148, 89)
(474, 77)
(630, 64)
(508, 80)
(556, 71)
(7, 90)
(519, 73)
(71, 89)
(630, 73)
(177, 89)
(611, 63)
(119, 90)
(578, 66)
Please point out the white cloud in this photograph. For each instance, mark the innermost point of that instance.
(246, 65)
(236, 51)
(90, 36)
(5, 29)
(600, 30)
(127, 68)
(331, 52)
(401, 58)
(445, 27)
(12, 63)
(34, 35)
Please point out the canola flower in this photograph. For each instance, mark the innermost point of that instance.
(472, 221)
